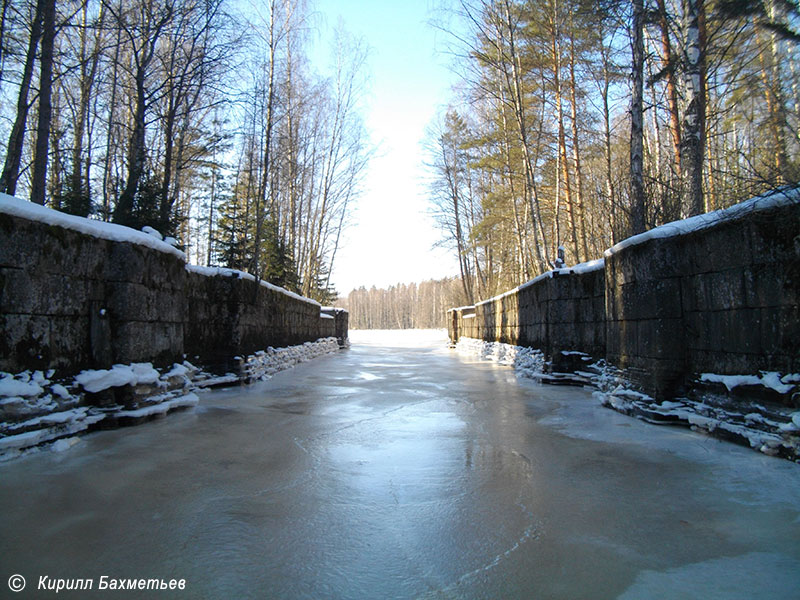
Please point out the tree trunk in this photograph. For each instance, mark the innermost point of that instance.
(10, 175)
(668, 63)
(519, 113)
(266, 166)
(123, 212)
(773, 95)
(41, 153)
(88, 69)
(518, 225)
(576, 157)
(137, 152)
(3, 16)
(693, 140)
(165, 203)
(636, 181)
(109, 130)
(609, 174)
(555, 49)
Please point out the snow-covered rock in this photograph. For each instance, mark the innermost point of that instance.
(101, 379)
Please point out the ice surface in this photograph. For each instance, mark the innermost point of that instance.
(160, 408)
(757, 574)
(53, 425)
(765, 435)
(429, 476)
(64, 444)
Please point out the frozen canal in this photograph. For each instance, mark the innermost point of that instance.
(397, 469)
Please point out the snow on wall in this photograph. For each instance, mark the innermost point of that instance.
(779, 198)
(225, 272)
(98, 229)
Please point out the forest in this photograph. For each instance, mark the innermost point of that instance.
(578, 124)
(204, 119)
(402, 306)
(575, 124)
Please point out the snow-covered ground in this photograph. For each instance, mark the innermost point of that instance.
(770, 430)
(265, 363)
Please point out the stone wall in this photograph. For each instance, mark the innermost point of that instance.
(341, 319)
(718, 293)
(721, 298)
(71, 300)
(560, 310)
(230, 314)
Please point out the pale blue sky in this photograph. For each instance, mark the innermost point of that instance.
(391, 237)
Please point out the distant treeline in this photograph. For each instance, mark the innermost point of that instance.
(403, 306)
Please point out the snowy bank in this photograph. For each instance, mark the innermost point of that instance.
(40, 413)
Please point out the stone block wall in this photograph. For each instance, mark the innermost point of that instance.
(230, 314)
(644, 326)
(341, 319)
(461, 323)
(720, 299)
(718, 293)
(560, 310)
(70, 301)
